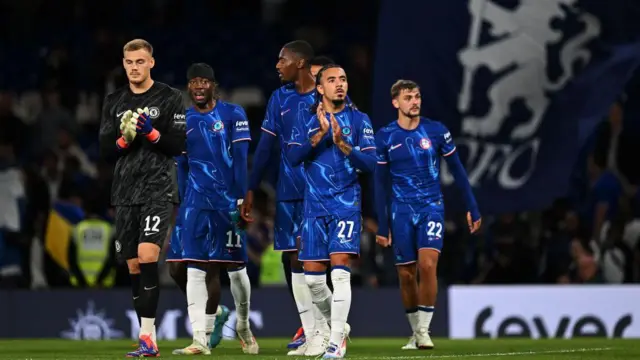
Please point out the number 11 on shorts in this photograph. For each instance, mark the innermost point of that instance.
(230, 242)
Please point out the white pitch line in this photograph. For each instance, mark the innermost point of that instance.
(460, 356)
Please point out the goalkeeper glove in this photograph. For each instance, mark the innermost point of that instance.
(143, 125)
(127, 129)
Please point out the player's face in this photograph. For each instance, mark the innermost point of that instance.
(138, 65)
(408, 102)
(334, 84)
(201, 91)
(315, 69)
(288, 65)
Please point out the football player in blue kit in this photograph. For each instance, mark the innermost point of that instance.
(409, 201)
(178, 268)
(333, 145)
(287, 106)
(212, 235)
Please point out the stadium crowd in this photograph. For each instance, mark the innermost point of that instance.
(49, 116)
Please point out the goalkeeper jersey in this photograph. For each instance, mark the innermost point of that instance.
(145, 172)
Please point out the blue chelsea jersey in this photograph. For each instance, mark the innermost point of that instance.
(413, 158)
(332, 180)
(287, 107)
(209, 140)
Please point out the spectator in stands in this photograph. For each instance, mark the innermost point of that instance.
(602, 202)
(53, 118)
(513, 259)
(92, 254)
(12, 199)
(12, 128)
(66, 212)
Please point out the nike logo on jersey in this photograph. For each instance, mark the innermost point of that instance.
(149, 233)
(151, 288)
(393, 147)
(120, 114)
(312, 130)
(284, 112)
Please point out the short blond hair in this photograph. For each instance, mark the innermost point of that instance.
(138, 44)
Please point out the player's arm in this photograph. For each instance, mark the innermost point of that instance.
(364, 156)
(306, 141)
(170, 138)
(382, 186)
(240, 138)
(268, 138)
(448, 151)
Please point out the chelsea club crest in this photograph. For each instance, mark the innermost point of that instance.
(218, 125)
(425, 143)
(346, 131)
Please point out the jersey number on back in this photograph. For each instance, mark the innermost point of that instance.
(342, 226)
(434, 229)
(230, 239)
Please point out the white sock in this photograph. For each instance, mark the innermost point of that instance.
(414, 317)
(341, 304)
(197, 303)
(321, 322)
(209, 322)
(320, 293)
(147, 326)
(425, 313)
(304, 302)
(241, 291)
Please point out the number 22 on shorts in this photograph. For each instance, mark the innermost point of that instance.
(434, 229)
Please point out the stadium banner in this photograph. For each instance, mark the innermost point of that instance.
(109, 314)
(519, 83)
(540, 312)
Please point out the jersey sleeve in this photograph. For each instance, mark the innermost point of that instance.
(269, 124)
(382, 156)
(445, 141)
(366, 138)
(240, 128)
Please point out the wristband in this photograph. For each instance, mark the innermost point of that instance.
(240, 201)
(121, 143)
(153, 136)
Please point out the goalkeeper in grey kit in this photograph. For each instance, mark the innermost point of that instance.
(143, 124)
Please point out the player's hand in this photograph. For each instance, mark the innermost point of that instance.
(322, 119)
(128, 126)
(383, 240)
(337, 130)
(474, 226)
(246, 207)
(143, 122)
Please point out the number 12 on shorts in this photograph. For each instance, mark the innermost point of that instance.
(152, 224)
(230, 242)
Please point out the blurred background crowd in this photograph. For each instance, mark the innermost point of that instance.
(60, 70)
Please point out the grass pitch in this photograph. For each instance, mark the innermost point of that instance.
(358, 348)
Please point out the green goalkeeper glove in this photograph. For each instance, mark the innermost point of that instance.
(128, 126)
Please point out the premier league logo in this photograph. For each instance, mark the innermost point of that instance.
(425, 143)
(346, 131)
(218, 125)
